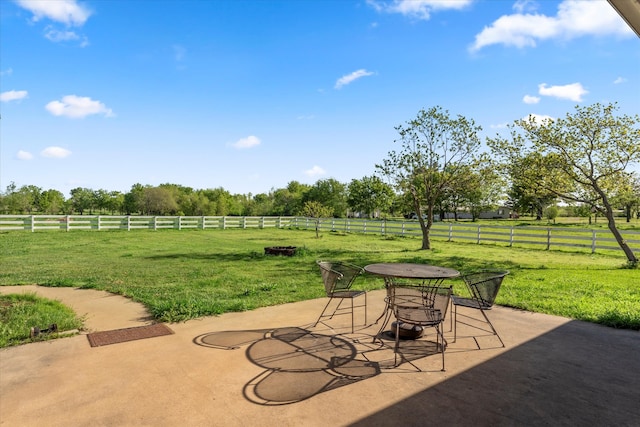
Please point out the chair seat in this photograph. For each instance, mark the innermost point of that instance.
(346, 294)
(469, 302)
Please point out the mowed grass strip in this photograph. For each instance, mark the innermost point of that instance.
(187, 274)
(19, 313)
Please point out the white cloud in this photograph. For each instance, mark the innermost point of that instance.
(13, 95)
(68, 12)
(538, 118)
(24, 155)
(525, 6)
(248, 142)
(619, 80)
(77, 107)
(529, 99)
(314, 171)
(55, 152)
(58, 36)
(6, 72)
(575, 18)
(350, 78)
(419, 9)
(572, 92)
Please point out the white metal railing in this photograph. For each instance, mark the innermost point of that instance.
(510, 235)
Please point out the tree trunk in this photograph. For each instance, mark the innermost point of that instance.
(631, 257)
(611, 223)
(426, 228)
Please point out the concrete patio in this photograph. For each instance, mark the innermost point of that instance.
(271, 367)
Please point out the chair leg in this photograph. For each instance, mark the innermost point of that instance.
(322, 312)
(455, 322)
(338, 307)
(492, 328)
(440, 336)
(395, 350)
(365, 308)
(387, 317)
(352, 316)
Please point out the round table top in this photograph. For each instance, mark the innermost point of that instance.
(411, 271)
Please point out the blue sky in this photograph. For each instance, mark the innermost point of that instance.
(250, 95)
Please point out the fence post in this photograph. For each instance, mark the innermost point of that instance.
(383, 229)
(33, 225)
(511, 237)
(593, 241)
(128, 222)
(450, 232)
(364, 227)
(203, 220)
(68, 222)
(548, 238)
(478, 234)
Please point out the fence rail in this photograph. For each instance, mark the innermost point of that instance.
(510, 235)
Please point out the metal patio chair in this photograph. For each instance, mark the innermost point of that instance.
(423, 306)
(483, 287)
(338, 277)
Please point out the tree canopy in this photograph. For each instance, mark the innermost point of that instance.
(434, 153)
(585, 157)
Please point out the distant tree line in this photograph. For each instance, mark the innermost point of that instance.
(368, 196)
(582, 160)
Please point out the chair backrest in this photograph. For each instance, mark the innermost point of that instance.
(420, 304)
(484, 285)
(338, 276)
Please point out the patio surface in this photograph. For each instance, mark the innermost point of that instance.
(271, 367)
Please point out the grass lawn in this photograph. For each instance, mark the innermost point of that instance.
(187, 274)
(19, 312)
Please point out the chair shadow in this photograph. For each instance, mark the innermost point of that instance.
(299, 364)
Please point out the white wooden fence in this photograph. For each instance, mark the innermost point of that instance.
(509, 235)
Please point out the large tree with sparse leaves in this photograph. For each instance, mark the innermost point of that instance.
(435, 152)
(592, 149)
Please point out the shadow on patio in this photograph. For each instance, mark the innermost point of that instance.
(300, 363)
(576, 374)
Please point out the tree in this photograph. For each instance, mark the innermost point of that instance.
(115, 202)
(369, 194)
(480, 188)
(529, 188)
(591, 148)
(551, 213)
(628, 195)
(133, 199)
(101, 200)
(330, 193)
(435, 149)
(316, 210)
(288, 201)
(158, 201)
(82, 199)
(51, 202)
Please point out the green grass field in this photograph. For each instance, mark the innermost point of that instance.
(181, 275)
